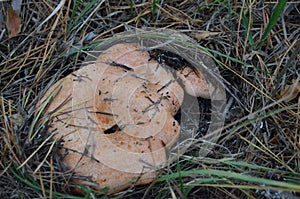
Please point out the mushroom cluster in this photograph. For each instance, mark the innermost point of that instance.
(116, 116)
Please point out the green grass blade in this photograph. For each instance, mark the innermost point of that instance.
(131, 8)
(230, 11)
(33, 132)
(180, 178)
(248, 29)
(75, 9)
(233, 175)
(154, 7)
(27, 180)
(277, 12)
(80, 18)
(4, 45)
(212, 180)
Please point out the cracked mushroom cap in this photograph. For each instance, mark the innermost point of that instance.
(116, 117)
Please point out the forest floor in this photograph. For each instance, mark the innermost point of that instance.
(255, 45)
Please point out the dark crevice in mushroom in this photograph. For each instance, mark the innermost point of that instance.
(186, 75)
(79, 78)
(84, 153)
(105, 113)
(113, 63)
(109, 99)
(163, 143)
(150, 99)
(177, 116)
(112, 129)
(153, 105)
(165, 86)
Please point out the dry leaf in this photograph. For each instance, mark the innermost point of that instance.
(290, 92)
(13, 22)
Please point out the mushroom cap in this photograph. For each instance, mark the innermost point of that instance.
(116, 117)
(194, 82)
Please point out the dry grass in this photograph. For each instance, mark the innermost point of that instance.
(258, 153)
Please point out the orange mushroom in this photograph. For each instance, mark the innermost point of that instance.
(116, 117)
(194, 82)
